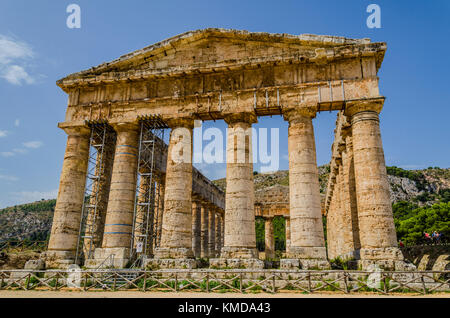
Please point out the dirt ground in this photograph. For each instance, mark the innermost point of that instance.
(137, 294)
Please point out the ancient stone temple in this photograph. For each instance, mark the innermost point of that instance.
(124, 193)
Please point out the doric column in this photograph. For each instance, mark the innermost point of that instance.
(196, 228)
(331, 226)
(176, 240)
(350, 228)
(269, 238)
(211, 231)
(218, 232)
(376, 222)
(204, 229)
(288, 233)
(339, 235)
(240, 237)
(307, 237)
(119, 216)
(161, 191)
(67, 217)
(222, 232)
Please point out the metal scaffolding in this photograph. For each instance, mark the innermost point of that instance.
(101, 153)
(148, 207)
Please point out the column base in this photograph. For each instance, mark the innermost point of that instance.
(305, 258)
(239, 252)
(172, 258)
(237, 257)
(170, 263)
(307, 252)
(307, 263)
(236, 263)
(120, 259)
(171, 253)
(386, 258)
(58, 259)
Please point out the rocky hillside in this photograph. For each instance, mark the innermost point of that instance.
(421, 187)
(28, 221)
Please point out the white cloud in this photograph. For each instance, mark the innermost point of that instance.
(31, 196)
(8, 178)
(32, 144)
(15, 74)
(20, 150)
(7, 154)
(17, 122)
(12, 55)
(3, 133)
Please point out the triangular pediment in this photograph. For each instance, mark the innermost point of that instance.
(210, 50)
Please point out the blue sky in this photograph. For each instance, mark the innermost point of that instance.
(37, 48)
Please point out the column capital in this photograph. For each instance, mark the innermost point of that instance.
(357, 106)
(82, 131)
(125, 126)
(250, 118)
(293, 114)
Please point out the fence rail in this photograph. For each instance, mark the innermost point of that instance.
(238, 281)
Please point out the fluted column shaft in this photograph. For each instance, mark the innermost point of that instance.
(349, 214)
(119, 216)
(204, 225)
(307, 237)
(240, 237)
(69, 203)
(269, 238)
(161, 191)
(196, 228)
(376, 221)
(218, 233)
(176, 240)
(288, 233)
(211, 231)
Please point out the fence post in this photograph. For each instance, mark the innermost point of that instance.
(145, 281)
(176, 282)
(207, 282)
(27, 285)
(240, 282)
(273, 283)
(115, 281)
(309, 282)
(56, 282)
(85, 281)
(423, 284)
(346, 282)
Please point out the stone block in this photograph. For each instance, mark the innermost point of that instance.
(35, 264)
